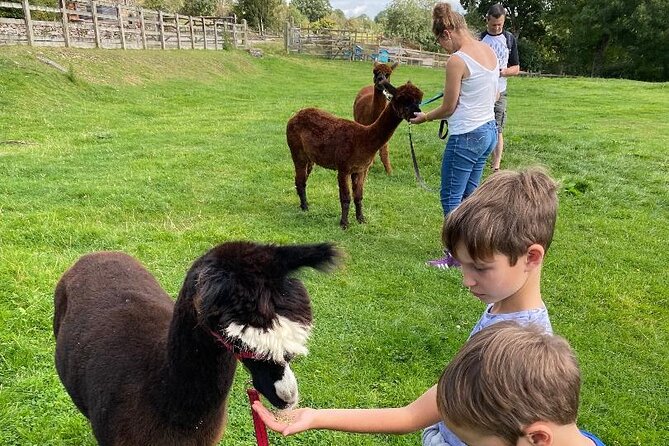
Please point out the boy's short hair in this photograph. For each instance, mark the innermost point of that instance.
(497, 10)
(508, 213)
(508, 376)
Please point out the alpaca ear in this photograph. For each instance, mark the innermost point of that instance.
(376, 64)
(393, 66)
(323, 257)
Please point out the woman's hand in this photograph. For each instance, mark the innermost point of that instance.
(419, 118)
(289, 422)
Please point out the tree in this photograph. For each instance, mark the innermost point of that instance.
(362, 22)
(289, 13)
(647, 41)
(260, 14)
(314, 10)
(199, 7)
(613, 38)
(411, 20)
(525, 18)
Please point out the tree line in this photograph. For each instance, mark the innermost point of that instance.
(598, 38)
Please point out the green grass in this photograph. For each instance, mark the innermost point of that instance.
(164, 154)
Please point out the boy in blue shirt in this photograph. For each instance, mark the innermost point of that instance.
(513, 385)
(500, 235)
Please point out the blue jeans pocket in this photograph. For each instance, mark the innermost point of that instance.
(476, 142)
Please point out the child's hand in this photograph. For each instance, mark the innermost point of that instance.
(289, 422)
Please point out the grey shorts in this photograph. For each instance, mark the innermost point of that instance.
(500, 112)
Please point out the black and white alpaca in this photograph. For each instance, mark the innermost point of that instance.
(148, 371)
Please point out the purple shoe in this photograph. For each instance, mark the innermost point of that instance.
(446, 262)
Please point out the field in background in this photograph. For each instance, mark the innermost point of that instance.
(163, 154)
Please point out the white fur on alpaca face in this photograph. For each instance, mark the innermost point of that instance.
(283, 338)
(286, 387)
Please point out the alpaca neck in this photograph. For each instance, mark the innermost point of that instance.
(379, 102)
(198, 375)
(380, 132)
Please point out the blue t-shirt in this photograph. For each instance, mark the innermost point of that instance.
(538, 316)
(592, 437)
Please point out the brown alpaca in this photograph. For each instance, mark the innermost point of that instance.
(317, 137)
(370, 102)
(148, 371)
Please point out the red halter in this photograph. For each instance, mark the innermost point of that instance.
(258, 424)
(242, 354)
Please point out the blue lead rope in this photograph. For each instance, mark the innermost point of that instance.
(419, 178)
(432, 99)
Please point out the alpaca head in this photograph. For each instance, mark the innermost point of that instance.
(406, 99)
(381, 73)
(244, 295)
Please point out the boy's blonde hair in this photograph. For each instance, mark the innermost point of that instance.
(508, 213)
(508, 376)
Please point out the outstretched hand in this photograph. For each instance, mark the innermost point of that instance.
(290, 422)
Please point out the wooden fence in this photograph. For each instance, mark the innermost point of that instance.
(355, 45)
(90, 24)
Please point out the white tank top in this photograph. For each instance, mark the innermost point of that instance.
(478, 93)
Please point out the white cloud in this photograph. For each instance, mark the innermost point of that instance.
(354, 8)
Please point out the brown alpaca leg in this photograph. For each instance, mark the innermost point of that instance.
(358, 183)
(383, 153)
(344, 197)
(301, 174)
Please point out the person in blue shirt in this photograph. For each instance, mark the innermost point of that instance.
(500, 235)
(513, 385)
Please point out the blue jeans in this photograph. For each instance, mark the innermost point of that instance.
(463, 162)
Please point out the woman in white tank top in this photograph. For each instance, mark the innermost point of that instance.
(470, 93)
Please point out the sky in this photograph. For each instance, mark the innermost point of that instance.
(354, 8)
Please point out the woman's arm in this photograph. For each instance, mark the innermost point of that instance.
(419, 414)
(455, 71)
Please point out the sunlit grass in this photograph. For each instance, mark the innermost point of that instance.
(164, 154)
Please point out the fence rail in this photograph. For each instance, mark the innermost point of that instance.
(92, 24)
(355, 45)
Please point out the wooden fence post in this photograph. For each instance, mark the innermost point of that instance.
(29, 22)
(215, 34)
(178, 25)
(204, 32)
(96, 28)
(234, 35)
(286, 38)
(192, 33)
(161, 30)
(119, 13)
(65, 21)
(142, 27)
(245, 35)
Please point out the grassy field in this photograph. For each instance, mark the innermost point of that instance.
(164, 154)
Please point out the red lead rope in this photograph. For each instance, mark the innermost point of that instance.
(258, 424)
